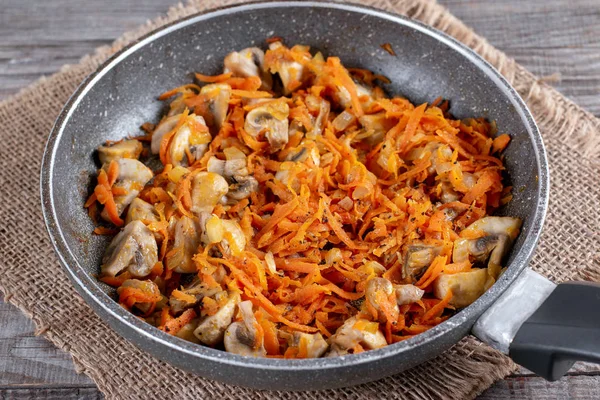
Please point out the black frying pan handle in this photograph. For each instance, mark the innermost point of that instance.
(564, 329)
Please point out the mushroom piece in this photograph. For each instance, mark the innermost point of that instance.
(320, 121)
(290, 71)
(139, 210)
(185, 245)
(302, 153)
(378, 293)
(356, 331)
(217, 96)
(272, 120)
(418, 257)
(365, 94)
(165, 126)
(207, 189)
(241, 337)
(248, 62)
(407, 294)
(134, 249)
(235, 163)
(187, 331)
(211, 329)
(177, 106)
(227, 232)
(466, 287)
(314, 344)
(124, 149)
(191, 136)
(242, 187)
(133, 175)
(147, 287)
(234, 169)
(376, 126)
(498, 235)
(190, 296)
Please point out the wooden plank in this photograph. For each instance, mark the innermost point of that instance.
(547, 37)
(571, 387)
(26, 359)
(51, 393)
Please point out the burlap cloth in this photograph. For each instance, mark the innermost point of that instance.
(32, 279)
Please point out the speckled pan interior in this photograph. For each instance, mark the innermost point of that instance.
(122, 94)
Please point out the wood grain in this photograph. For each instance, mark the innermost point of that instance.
(547, 37)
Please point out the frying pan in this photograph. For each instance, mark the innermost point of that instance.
(542, 326)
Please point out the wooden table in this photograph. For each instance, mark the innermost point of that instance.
(559, 39)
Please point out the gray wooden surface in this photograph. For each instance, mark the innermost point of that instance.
(558, 38)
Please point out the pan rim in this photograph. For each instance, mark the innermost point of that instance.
(102, 303)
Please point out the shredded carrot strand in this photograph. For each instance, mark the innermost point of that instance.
(324, 184)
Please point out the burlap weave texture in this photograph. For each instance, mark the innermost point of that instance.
(569, 247)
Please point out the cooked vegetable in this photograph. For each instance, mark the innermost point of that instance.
(211, 329)
(123, 149)
(301, 213)
(246, 337)
(134, 249)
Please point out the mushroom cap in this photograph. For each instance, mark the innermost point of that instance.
(134, 248)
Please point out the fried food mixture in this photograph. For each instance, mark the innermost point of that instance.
(300, 212)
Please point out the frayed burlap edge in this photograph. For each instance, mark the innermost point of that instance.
(551, 109)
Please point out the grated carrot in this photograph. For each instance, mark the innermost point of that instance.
(343, 185)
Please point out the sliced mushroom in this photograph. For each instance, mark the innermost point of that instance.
(190, 297)
(418, 257)
(187, 331)
(376, 126)
(407, 294)
(364, 92)
(177, 106)
(466, 287)
(290, 72)
(165, 126)
(356, 331)
(242, 187)
(248, 62)
(235, 162)
(216, 166)
(124, 149)
(148, 287)
(241, 337)
(133, 175)
(211, 329)
(314, 344)
(302, 153)
(185, 246)
(139, 210)
(270, 120)
(320, 120)
(134, 249)
(377, 293)
(207, 189)
(234, 165)
(189, 137)
(227, 232)
(217, 96)
(497, 235)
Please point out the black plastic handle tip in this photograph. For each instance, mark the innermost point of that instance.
(565, 329)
